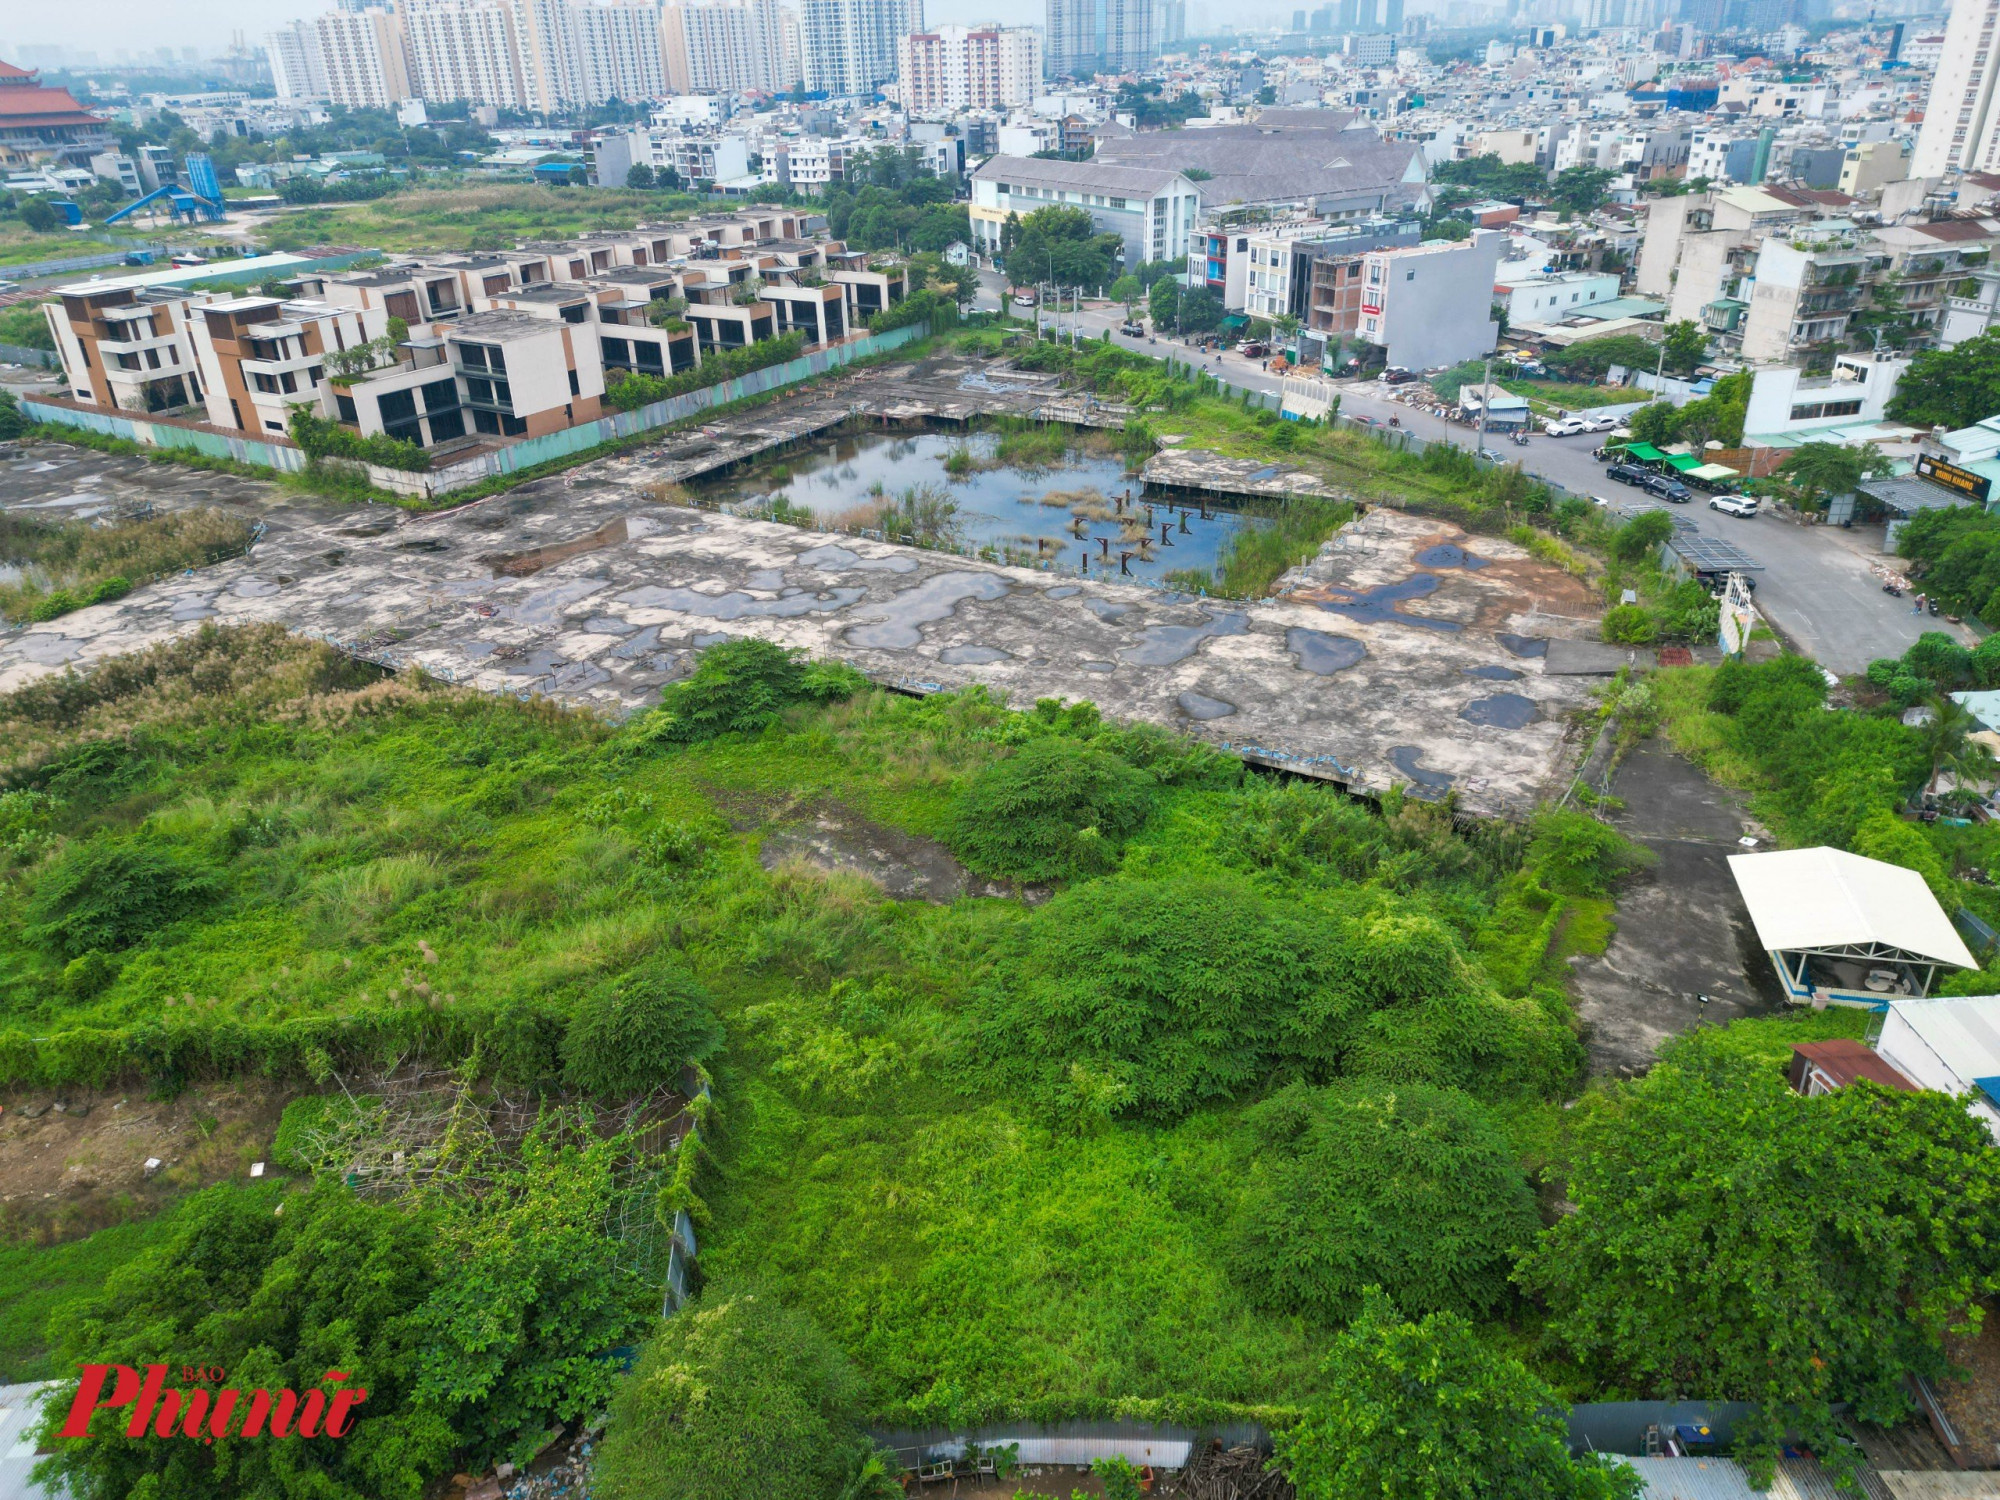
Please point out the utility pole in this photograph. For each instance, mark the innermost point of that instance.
(1485, 401)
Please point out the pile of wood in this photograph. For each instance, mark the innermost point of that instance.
(1216, 1473)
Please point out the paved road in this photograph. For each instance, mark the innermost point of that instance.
(1816, 586)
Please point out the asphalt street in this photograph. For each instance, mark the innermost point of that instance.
(1817, 585)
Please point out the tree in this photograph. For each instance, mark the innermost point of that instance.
(1642, 536)
(1719, 415)
(39, 216)
(1730, 1235)
(1815, 472)
(276, 1300)
(1949, 745)
(669, 178)
(1061, 244)
(1432, 1410)
(737, 1397)
(1126, 289)
(1164, 301)
(1200, 310)
(1410, 1189)
(1653, 424)
(1687, 345)
(1951, 387)
(1579, 189)
(639, 175)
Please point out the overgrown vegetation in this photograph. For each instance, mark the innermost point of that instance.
(627, 390)
(1259, 1050)
(65, 565)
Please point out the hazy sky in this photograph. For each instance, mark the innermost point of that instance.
(107, 25)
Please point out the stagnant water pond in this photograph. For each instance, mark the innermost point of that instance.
(1089, 507)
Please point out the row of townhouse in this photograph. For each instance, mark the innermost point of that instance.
(494, 346)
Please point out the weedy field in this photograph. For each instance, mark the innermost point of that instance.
(1220, 1067)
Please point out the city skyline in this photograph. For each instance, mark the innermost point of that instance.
(141, 28)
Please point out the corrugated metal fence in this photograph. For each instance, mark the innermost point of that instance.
(1602, 1427)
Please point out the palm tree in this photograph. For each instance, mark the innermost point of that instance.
(1949, 745)
(1818, 471)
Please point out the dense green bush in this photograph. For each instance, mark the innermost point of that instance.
(1432, 1409)
(736, 1398)
(627, 390)
(109, 893)
(1155, 997)
(1052, 810)
(636, 1032)
(1730, 1235)
(1629, 625)
(740, 687)
(1362, 1184)
(323, 438)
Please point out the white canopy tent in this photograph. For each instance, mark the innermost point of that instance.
(1844, 929)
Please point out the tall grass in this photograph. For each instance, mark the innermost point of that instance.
(1257, 555)
(77, 558)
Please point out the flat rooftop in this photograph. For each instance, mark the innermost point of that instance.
(1407, 654)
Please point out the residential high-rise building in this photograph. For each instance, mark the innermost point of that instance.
(959, 67)
(850, 45)
(1112, 36)
(365, 57)
(295, 63)
(465, 49)
(549, 73)
(726, 47)
(1959, 118)
(619, 50)
(792, 44)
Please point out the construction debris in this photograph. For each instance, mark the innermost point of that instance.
(1242, 1473)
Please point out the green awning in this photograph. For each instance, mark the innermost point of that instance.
(1645, 452)
(1235, 321)
(1685, 462)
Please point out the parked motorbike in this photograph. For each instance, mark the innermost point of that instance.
(1890, 588)
(1935, 608)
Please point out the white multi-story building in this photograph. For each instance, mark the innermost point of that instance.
(1152, 210)
(295, 62)
(850, 45)
(619, 50)
(727, 47)
(959, 67)
(465, 49)
(549, 72)
(1430, 305)
(365, 57)
(1960, 120)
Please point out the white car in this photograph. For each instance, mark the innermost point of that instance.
(1598, 424)
(1024, 302)
(1566, 426)
(1734, 505)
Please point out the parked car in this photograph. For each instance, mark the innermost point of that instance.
(1629, 474)
(1254, 350)
(1025, 302)
(1671, 490)
(1396, 375)
(1132, 330)
(1492, 456)
(1566, 426)
(1734, 505)
(1599, 424)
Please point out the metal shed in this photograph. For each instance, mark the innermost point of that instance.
(1841, 929)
